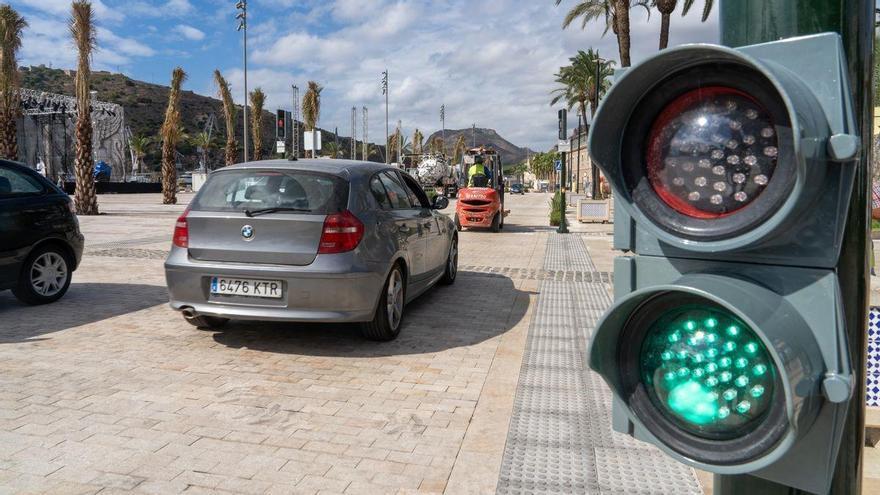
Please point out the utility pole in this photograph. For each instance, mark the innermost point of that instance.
(474, 135)
(365, 136)
(443, 125)
(400, 144)
(295, 127)
(353, 133)
(387, 135)
(242, 26)
(745, 22)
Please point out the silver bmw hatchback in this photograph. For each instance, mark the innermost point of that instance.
(309, 241)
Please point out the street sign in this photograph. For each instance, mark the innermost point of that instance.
(558, 164)
(309, 140)
(726, 346)
(280, 147)
(564, 146)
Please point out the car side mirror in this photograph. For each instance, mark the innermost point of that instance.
(440, 203)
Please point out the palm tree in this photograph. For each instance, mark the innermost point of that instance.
(139, 145)
(229, 113)
(707, 8)
(11, 27)
(417, 142)
(82, 28)
(332, 150)
(311, 107)
(258, 101)
(579, 81)
(372, 150)
(459, 150)
(436, 145)
(665, 7)
(204, 143)
(172, 133)
(616, 15)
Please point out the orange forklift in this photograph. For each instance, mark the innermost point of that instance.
(481, 199)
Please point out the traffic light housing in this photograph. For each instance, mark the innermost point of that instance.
(732, 171)
(281, 125)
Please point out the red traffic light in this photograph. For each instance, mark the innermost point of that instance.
(711, 152)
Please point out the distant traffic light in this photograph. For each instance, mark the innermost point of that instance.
(563, 124)
(281, 124)
(733, 170)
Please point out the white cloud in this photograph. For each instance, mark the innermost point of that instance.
(491, 62)
(189, 32)
(62, 8)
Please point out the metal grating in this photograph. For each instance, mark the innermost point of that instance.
(560, 438)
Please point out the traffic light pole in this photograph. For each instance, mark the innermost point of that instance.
(745, 22)
(563, 226)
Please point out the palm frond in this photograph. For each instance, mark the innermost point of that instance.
(707, 8)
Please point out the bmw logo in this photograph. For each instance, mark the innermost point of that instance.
(247, 232)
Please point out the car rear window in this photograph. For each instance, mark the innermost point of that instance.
(239, 190)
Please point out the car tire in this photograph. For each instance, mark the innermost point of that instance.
(388, 318)
(45, 276)
(451, 271)
(496, 223)
(457, 223)
(207, 322)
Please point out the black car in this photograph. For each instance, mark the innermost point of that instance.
(40, 241)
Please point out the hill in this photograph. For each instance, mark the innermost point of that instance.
(511, 154)
(145, 104)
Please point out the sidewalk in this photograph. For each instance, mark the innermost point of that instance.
(560, 438)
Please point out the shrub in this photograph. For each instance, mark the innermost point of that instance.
(556, 209)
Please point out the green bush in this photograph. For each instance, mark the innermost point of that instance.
(556, 209)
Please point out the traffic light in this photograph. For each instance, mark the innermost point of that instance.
(281, 125)
(732, 171)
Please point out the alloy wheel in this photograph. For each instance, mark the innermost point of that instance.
(48, 274)
(395, 299)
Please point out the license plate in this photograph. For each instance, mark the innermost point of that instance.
(246, 287)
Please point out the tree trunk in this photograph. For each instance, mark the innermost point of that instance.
(623, 41)
(169, 174)
(230, 152)
(8, 136)
(664, 31)
(85, 198)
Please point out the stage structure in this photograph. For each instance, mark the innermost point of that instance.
(47, 130)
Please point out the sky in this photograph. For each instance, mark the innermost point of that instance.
(491, 62)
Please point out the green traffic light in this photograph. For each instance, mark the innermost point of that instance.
(714, 385)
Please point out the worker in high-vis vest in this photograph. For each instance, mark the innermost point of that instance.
(479, 175)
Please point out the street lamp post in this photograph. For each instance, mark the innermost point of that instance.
(387, 135)
(597, 87)
(242, 26)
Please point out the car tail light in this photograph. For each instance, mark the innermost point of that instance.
(711, 152)
(342, 233)
(181, 231)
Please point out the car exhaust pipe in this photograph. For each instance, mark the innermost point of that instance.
(189, 313)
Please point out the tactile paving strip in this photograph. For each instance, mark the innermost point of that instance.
(560, 438)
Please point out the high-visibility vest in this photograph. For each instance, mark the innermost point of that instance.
(476, 169)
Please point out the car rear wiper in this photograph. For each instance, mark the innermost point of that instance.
(263, 211)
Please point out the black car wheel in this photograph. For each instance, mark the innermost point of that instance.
(496, 222)
(451, 264)
(45, 276)
(386, 322)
